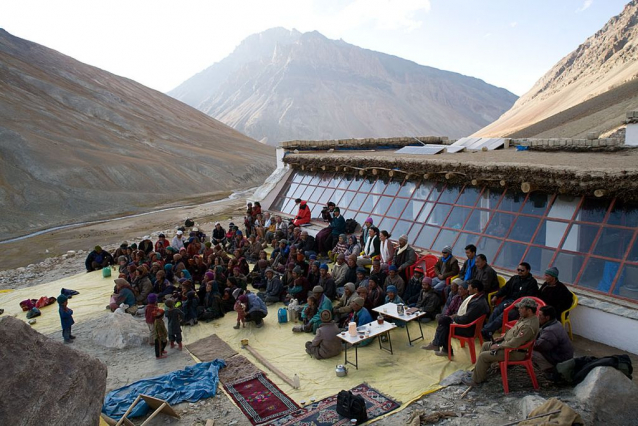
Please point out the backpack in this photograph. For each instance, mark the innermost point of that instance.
(282, 315)
(352, 406)
(351, 226)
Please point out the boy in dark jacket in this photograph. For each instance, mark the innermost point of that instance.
(66, 318)
(175, 317)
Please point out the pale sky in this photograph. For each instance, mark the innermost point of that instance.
(507, 43)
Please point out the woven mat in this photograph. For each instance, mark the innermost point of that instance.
(237, 368)
(211, 348)
(324, 412)
(260, 399)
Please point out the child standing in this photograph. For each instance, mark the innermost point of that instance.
(66, 317)
(175, 317)
(149, 314)
(160, 334)
(240, 308)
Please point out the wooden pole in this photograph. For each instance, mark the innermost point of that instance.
(477, 182)
(271, 367)
(599, 193)
(449, 176)
(532, 418)
(503, 182)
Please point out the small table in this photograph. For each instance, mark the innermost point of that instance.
(390, 310)
(374, 329)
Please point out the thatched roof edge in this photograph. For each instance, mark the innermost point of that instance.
(527, 177)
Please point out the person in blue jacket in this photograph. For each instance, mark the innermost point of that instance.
(361, 316)
(66, 318)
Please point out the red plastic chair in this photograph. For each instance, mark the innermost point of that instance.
(527, 362)
(509, 324)
(463, 339)
(430, 260)
(419, 262)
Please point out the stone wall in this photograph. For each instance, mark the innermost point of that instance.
(568, 144)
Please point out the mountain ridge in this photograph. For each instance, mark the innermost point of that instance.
(308, 86)
(79, 143)
(606, 60)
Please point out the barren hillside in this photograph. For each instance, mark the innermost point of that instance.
(605, 61)
(79, 143)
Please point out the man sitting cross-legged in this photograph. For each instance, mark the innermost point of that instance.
(524, 331)
(473, 305)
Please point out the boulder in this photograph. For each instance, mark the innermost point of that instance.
(45, 381)
(529, 404)
(611, 397)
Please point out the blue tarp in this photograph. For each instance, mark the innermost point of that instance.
(195, 382)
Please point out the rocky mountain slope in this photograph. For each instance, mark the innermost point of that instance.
(79, 143)
(283, 85)
(604, 62)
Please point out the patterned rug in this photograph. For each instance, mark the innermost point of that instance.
(260, 399)
(323, 413)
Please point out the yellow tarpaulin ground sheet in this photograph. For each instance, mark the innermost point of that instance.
(407, 374)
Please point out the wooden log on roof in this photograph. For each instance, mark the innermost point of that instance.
(600, 193)
(477, 182)
(428, 176)
(528, 187)
(449, 176)
(391, 173)
(503, 182)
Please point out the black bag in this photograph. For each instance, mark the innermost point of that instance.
(351, 226)
(352, 406)
(189, 223)
(584, 365)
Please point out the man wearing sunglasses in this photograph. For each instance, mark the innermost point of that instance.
(521, 285)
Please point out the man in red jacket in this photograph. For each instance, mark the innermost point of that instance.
(303, 216)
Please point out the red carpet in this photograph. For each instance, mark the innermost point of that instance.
(260, 399)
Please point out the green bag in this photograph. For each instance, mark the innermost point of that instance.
(106, 272)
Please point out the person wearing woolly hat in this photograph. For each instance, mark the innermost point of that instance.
(326, 344)
(342, 306)
(362, 277)
(394, 279)
(323, 304)
(555, 293)
(326, 282)
(361, 316)
(391, 295)
(445, 267)
(274, 288)
(66, 318)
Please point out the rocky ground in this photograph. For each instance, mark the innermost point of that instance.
(484, 405)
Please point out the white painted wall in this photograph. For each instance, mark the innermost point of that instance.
(631, 134)
(607, 328)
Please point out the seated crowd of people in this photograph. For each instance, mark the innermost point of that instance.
(201, 278)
